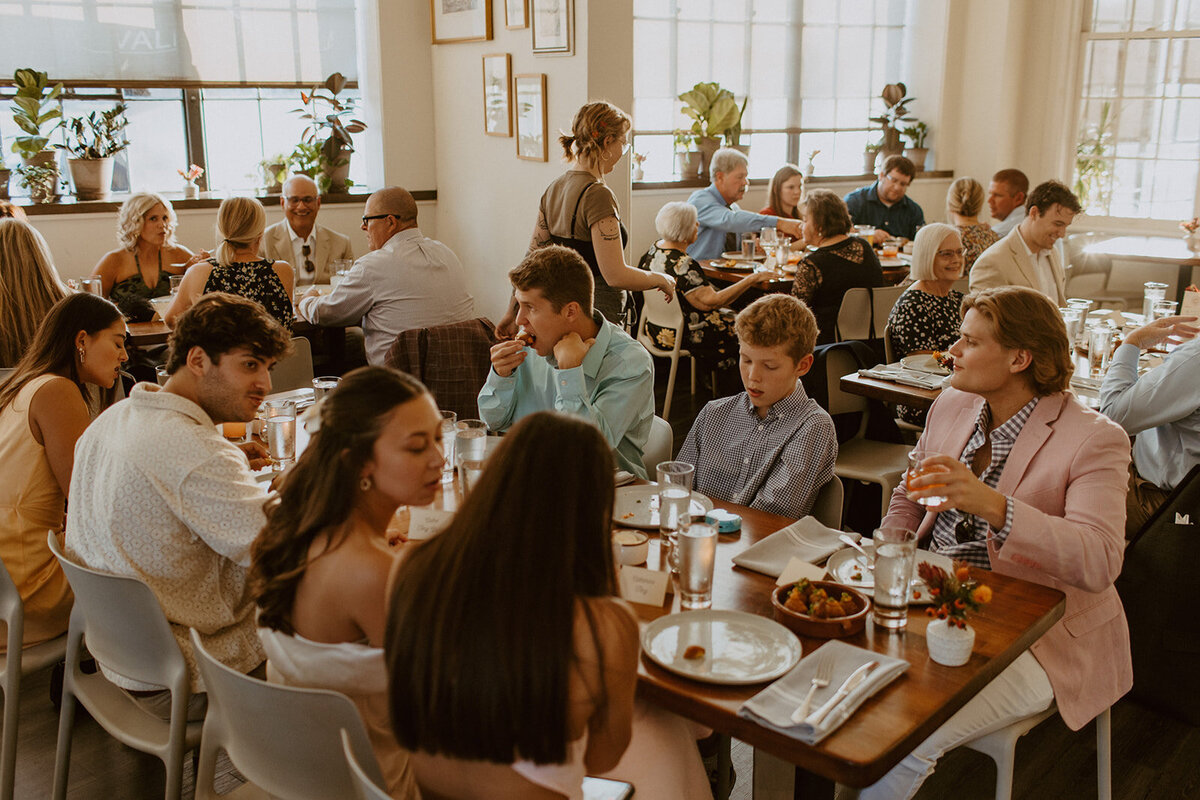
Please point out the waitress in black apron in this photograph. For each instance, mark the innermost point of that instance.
(579, 211)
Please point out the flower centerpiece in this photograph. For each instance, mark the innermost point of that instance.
(190, 175)
(1191, 233)
(949, 638)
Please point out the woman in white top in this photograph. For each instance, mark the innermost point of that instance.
(320, 566)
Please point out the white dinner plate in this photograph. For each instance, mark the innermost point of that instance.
(848, 567)
(924, 362)
(637, 506)
(739, 648)
(736, 255)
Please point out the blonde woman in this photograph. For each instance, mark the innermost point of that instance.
(580, 212)
(148, 255)
(29, 287)
(237, 267)
(964, 201)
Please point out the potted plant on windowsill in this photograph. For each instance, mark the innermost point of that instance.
(870, 154)
(325, 112)
(687, 158)
(36, 111)
(92, 141)
(733, 134)
(917, 153)
(713, 111)
(274, 172)
(5, 174)
(895, 100)
(41, 180)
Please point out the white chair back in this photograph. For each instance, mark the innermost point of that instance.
(659, 446)
(656, 310)
(827, 508)
(295, 371)
(855, 315)
(364, 787)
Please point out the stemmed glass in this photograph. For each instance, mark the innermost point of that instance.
(768, 241)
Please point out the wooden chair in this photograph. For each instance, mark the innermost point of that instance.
(656, 310)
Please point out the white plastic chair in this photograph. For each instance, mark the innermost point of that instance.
(285, 740)
(659, 446)
(861, 459)
(295, 371)
(364, 787)
(1001, 747)
(658, 311)
(13, 665)
(127, 633)
(827, 507)
(854, 315)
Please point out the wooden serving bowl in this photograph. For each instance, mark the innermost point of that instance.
(832, 628)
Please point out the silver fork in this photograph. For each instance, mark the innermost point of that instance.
(820, 679)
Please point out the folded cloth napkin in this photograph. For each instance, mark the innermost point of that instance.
(1083, 382)
(907, 377)
(621, 477)
(773, 706)
(805, 538)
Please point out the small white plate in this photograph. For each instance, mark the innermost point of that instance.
(924, 362)
(848, 567)
(736, 255)
(637, 506)
(739, 648)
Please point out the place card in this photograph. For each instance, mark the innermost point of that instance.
(1190, 307)
(797, 569)
(425, 522)
(642, 585)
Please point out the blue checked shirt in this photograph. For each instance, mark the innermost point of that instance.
(975, 551)
(776, 463)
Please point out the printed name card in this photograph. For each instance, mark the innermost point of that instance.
(642, 585)
(425, 522)
(798, 569)
(1191, 304)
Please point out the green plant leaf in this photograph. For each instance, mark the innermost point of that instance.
(335, 82)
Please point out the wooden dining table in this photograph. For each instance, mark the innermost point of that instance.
(718, 270)
(156, 332)
(888, 391)
(887, 726)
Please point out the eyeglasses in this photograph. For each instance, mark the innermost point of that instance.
(376, 216)
(903, 181)
(307, 200)
(950, 253)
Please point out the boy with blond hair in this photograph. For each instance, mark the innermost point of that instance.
(770, 447)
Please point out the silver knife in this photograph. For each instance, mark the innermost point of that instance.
(858, 676)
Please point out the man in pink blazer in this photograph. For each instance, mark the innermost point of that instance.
(1035, 488)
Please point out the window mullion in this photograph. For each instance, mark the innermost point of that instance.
(193, 124)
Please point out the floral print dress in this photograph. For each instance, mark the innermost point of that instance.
(707, 335)
(255, 280)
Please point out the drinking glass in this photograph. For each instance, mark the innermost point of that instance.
(472, 471)
(696, 557)
(161, 375)
(470, 444)
(864, 231)
(895, 551)
(234, 431)
(674, 503)
(175, 280)
(280, 418)
(322, 385)
(748, 245)
(449, 431)
(891, 249)
(783, 253)
(93, 285)
(1153, 291)
(340, 268)
(769, 239)
(1162, 308)
(1099, 339)
(1085, 307)
(1072, 318)
(916, 470)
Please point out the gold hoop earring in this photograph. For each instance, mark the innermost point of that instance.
(365, 484)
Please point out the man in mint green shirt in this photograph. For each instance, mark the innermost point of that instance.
(571, 360)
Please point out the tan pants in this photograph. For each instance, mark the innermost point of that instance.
(1143, 499)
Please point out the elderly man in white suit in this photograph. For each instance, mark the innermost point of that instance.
(299, 240)
(1027, 256)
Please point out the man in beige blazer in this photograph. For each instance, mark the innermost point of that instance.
(299, 240)
(1027, 256)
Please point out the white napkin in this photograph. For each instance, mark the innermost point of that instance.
(907, 377)
(1082, 382)
(773, 706)
(805, 538)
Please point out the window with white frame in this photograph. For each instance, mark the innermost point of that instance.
(813, 70)
(1137, 151)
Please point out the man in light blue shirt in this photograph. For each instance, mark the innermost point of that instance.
(717, 210)
(569, 358)
(1161, 408)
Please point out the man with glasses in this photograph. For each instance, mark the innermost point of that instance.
(407, 280)
(299, 240)
(885, 204)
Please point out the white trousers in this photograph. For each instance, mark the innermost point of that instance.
(1020, 691)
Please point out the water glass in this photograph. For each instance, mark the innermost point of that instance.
(769, 239)
(175, 280)
(323, 385)
(1099, 339)
(280, 419)
(449, 432)
(1153, 291)
(864, 231)
(161, 375)
(93, 285)
(916, 470)
(783, 252)
(895, 552)
(1162, 308)
(1084, 307)
(748, 245)
(697, 557)
(339, 275)
(470, 444)
(471, 471)
(1073, 319)
(674, 503)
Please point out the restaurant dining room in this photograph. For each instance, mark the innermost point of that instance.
(599, 399)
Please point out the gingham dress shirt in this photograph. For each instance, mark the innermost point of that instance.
(975, 551)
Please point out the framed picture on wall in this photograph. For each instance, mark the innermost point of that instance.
(516, 14)
(553, 27)
(497, 94)
(531, 117)
(460, 20)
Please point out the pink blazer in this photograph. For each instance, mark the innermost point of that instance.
(1067, 475)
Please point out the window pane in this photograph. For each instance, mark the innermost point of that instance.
(1149, 15)
(768, 152)
(1110, 15)
(1100, 68)
(660, 160)
(159, 142)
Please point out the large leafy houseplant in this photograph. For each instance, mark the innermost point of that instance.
(101, 134)
(35, 110)
(713, 111)
(330, 125)
(895, 100)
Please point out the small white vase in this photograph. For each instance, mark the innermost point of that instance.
(638, 173)
(191, 191)
(1193, 241)
(948, 644)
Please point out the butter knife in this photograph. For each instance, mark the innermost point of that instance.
(858, 676)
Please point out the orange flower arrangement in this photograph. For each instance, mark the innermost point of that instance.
(954, 595)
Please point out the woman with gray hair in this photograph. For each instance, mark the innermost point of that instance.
(708, 326)
(926, 317)
(964, 200)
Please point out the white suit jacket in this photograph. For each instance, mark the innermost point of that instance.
(1007, 263)
(277, 246)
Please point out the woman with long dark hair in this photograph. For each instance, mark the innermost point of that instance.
(511, 665)
(64, 379)
(320, 566)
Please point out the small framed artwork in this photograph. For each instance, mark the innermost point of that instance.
(516, 14)
(553, 27)
(531, 117)
(497, 94)
(460, 20)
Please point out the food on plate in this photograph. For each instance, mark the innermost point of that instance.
(803, 598)
(943, 359)
(694, 653)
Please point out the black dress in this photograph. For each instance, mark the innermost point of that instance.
(707, 335)
(825, 275)
(923, 321)
(254, 280)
